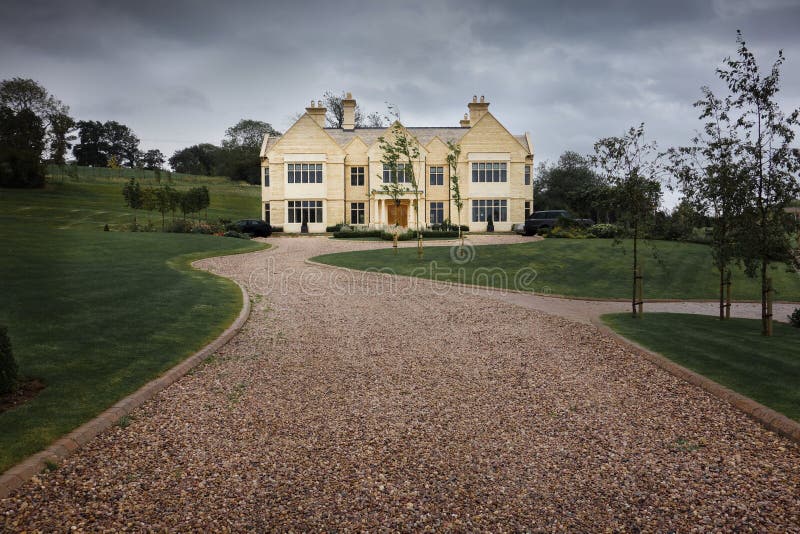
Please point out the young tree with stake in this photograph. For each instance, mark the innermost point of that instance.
(632, 168)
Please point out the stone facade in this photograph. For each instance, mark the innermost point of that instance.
(326, 176)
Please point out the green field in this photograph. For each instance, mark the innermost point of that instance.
(97, 314)
(732, 353)
(591, 268)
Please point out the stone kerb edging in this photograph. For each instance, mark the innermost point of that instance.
(25, 470)
(768, 417)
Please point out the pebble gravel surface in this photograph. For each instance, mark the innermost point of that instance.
(366, 402)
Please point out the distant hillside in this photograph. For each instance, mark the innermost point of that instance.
(75, 173)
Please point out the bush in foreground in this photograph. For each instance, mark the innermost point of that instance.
(8, 366)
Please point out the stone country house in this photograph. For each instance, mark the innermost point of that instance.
(326, 176)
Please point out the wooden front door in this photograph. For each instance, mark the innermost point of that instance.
(397, 215)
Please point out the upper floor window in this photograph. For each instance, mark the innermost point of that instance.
(489, 172)
(304, 173)
(266, 176)
(437, 175)
(401, 174)
(527, 175)
(356, 175)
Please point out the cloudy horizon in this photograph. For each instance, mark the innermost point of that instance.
(180, 73)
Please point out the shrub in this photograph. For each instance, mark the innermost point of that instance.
(234, 233)
(402, 236)
(206, 228)
(334, 228)
(543, 231)
(440, 233)
(794, 318)
(605, 231)
(179, 226)
(566, 233)
(8, 366)
(277, 229)
(347, 232)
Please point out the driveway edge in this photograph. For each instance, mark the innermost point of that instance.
(63, 447)
(767, 417)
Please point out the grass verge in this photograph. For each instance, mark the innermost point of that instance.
(732, 353)
(590, 268)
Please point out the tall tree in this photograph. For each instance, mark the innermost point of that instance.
(710, 175)
(20, 94)
(100, 142)
(571, 184)
(92, 148)
(764, 138)
(153, 159)
(122, 143)
(21, 145)
(62, 137)
(196, 159)
(632, 166)
(248, 133)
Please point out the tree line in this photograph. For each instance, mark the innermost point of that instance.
(165, 199)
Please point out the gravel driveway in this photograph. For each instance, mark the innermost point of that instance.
(369, 402)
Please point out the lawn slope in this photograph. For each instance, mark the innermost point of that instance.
(96, 314)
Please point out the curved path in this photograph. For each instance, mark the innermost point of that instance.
(377, 402)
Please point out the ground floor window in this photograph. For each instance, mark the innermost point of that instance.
(527, 208)
(437, 212)
(266, 212)
(304, 211)
(483, 209)
(356, 213)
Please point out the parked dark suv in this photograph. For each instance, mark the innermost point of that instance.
(253, 227)
(548, 219)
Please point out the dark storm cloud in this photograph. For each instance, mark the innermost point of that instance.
(569, 72)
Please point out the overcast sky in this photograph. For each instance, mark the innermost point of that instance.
(180, 73)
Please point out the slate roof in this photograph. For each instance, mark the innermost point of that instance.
(424, 135)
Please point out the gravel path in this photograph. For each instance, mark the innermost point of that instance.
(389, 403)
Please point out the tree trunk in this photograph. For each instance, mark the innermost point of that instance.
(635, 268)
(721, 294)
(766, 320)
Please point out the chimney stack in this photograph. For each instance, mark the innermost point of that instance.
(477, 109)
(465, 121)
(317, 113)
(349, 112)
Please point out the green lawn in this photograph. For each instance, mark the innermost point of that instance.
(96, 314)
(732, 353)
(594, 268)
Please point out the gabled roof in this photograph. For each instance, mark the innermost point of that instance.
(424, 134)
